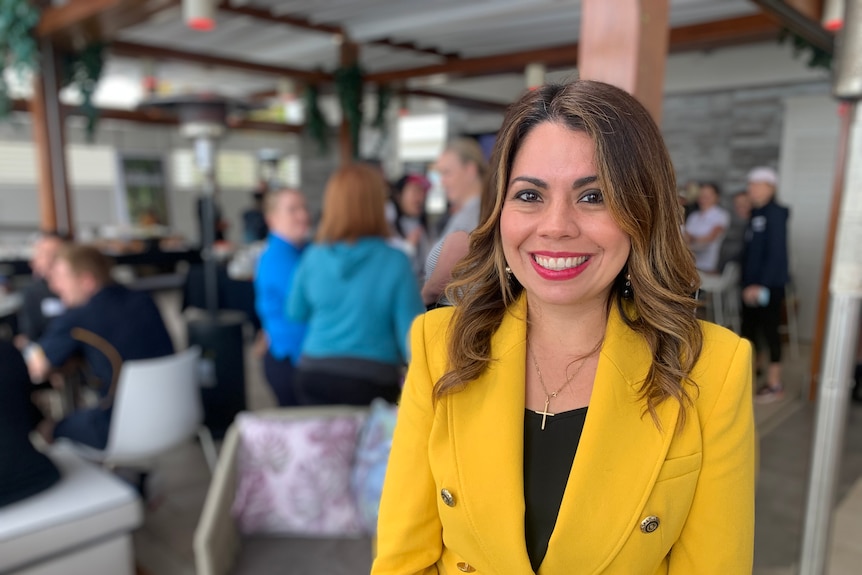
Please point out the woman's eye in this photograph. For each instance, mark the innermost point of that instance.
(527, 196)
(592, 197)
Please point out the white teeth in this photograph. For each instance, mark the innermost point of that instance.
(559, 264)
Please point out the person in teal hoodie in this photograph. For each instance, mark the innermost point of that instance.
(358, 295)
(287, 218)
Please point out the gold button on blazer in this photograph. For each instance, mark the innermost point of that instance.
(696, 484)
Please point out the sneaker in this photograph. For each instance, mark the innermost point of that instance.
(767, 394)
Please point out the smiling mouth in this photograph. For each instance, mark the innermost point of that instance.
(559, 264)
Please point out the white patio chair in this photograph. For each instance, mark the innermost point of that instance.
(157, 406)
(724, 295)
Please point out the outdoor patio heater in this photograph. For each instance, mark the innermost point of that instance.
(203, 120)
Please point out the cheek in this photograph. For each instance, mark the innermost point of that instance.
(510, 234)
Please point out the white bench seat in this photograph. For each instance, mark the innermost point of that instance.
(82, 524)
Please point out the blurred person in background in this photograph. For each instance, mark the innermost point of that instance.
(705, 228)
(24, 471)
(406, 215)
(101, 319)
(462, 168)
(357, 294)
(734, 239)
(254, 226)
(287, 217)
(39, 304)
(765, 273)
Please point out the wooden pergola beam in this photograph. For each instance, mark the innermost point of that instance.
(800, 22)
(141, 117)
(77, 22)
(135, 50)
(721, 33)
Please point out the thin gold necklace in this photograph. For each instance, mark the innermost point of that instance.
(548, 395)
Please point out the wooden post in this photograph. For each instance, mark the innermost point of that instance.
(55, 205)
(349, 57)
(624, 43)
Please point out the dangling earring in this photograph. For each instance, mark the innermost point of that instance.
(628, 292)
(508, 274)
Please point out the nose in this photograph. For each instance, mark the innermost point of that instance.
(559, 220)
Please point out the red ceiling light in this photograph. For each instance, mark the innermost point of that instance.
(833, 15)
(199, 14)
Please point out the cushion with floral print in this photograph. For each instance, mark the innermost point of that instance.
(293, 475)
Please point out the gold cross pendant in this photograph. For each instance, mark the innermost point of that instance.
(545, 413)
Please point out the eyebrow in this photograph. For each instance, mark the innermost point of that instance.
(579, 183)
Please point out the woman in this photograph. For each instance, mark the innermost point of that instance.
(462, 171)
(765, 272)
(358, 296)
(406, 215)
(705, 228)
(288, 222)
(573, 331)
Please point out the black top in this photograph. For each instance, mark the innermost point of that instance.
(548, 457)
(23, 470)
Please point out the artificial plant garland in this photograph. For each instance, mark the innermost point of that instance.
(818, 58)
(349, 84)
(315, 123)
(384, 96)
(19, 48)
(83, 69)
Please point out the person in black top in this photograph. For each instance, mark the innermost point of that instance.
(40, 304)
(765, 272)
(105, 324)
(24, 471)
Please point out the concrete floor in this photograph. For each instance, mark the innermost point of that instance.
(178, 487)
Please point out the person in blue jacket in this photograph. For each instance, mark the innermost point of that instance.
(287, 217)
(764, 274)
(358, 294)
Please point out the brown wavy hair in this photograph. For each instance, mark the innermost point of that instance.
(639, 189)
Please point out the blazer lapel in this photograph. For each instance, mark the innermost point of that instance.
(619, 456)
(486, 423)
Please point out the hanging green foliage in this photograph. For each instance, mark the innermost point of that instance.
(83, 70)
(315, 123)
(349, 85)
(19, 49)
(384, 97)
(817, 57)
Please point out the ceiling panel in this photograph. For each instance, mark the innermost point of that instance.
(469, 28)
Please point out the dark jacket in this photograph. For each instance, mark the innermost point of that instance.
(23, 470)
(128, 320)
(764, 259)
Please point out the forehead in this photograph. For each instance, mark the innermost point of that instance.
(290, 197)
(553, 148)
(448, 159)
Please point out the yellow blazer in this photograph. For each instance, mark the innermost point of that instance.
(698, 481)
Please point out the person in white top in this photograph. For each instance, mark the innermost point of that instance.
(705, 228)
